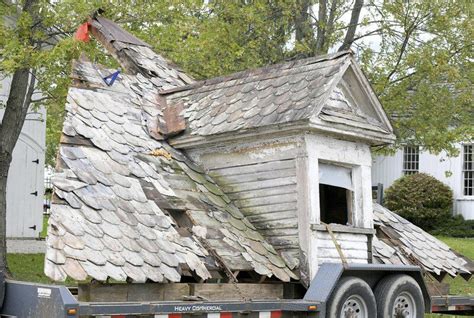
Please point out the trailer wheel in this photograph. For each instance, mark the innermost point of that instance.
(352, 298)
(399, 296)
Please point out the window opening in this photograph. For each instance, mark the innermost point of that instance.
(468, 170)
(411, 160)
(335, 194)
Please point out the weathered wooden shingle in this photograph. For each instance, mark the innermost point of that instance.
(400, 242)
(283, 93)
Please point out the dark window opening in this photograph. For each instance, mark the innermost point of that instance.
(468, 170)
(335, 204)
(411, 160)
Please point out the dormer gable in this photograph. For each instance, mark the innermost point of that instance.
(353, 108)
(327, 93)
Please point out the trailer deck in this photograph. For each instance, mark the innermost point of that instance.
(24, 299)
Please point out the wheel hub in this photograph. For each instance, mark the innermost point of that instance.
(354, 307)
(404, 306)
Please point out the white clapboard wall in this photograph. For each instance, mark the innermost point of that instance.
(261, 181)
(25, 187)
(387, 169)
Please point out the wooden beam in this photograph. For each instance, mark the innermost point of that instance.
(96, 292)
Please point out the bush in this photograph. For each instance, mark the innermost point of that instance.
(454, 226)
(421, 199)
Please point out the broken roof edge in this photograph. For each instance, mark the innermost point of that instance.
(136, 56)
(257, 71)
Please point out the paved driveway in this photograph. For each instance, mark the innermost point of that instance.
(26, 246)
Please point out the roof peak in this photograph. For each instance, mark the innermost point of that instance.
(259, 70)
(136, 56)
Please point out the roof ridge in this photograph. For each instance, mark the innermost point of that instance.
(258, 71)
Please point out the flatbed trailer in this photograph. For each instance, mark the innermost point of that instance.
(22, 299)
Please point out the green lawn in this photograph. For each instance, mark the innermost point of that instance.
(466, 248)
(30, 267)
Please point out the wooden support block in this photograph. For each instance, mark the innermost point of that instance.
(238, 291)
(132, 292)
(97, 292)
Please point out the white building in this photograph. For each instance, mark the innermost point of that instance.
(25, 188)
(456, 172)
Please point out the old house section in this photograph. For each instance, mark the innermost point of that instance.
(25, 187)
(291, 146)
(233, 179)
(261, 178)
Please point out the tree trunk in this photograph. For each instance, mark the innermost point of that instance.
(303, 30)
(321, 27)
(349, 38)
(19, 98)
(5, 160)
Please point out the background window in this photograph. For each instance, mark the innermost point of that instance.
(468, 170)
(411, 159)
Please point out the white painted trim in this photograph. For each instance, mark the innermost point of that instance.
(367, 87)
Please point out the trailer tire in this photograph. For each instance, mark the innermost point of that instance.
(351, 295)
(399, 296)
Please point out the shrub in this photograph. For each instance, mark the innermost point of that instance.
(454, 226)
(421, 199)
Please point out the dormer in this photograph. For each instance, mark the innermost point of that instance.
(290, 144)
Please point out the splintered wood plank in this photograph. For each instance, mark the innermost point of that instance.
(255, 176)
(77, 140)
(277, 152)
(280, 232)
(175, 122)
(132, 292)
(264, 217)
(277, 182)
(270, 224)
(283, 241)
(269, 208)
(238, 291)
(286, 189)
(267, 200)
(253, 168)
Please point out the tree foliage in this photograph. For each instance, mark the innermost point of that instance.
(417, 55)
(421, 199)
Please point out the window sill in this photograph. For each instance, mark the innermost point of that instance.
(466, 198)
(339, 228)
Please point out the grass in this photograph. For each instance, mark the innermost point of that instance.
(30, 267)
(44, 231)
(459, 286)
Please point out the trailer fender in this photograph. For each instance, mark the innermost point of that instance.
(23, 299)
(323, 284)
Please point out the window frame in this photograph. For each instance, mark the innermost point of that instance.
(411, 160)
(467, 170)
(350, 193)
